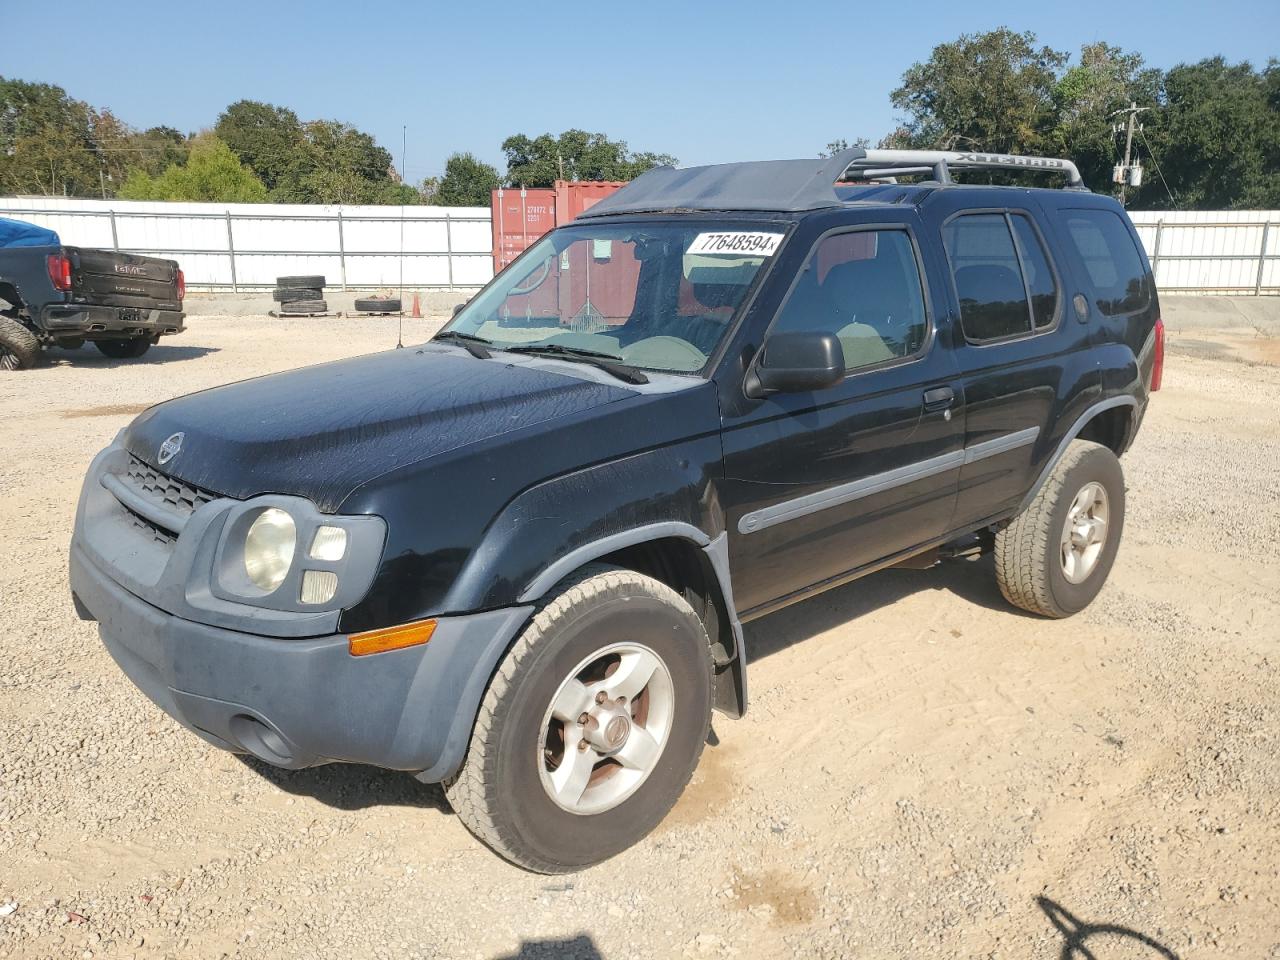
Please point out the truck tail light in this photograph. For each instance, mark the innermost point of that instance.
(1157, 366)
(182, 285)
(60, 271)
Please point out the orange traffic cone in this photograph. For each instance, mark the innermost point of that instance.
(417, 307)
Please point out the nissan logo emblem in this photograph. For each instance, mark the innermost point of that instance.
(170, 448)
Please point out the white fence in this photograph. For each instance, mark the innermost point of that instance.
(1236, 251)
(241, 246)
(247, 245)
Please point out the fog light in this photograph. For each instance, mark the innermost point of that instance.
(329, 543)
(319, 586)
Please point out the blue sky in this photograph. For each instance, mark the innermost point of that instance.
(704, 80)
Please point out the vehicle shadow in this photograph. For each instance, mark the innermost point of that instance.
(971, 579)
(353, 786)
(581, 947)
(89, 356)
(1075, 932)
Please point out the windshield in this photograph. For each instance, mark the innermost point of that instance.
(658, 296)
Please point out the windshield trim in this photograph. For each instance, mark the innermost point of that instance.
(786, 224)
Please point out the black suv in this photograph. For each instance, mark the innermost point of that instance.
(516, 559)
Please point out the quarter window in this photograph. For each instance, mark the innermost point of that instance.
(1035, 267)
(1116, 270)
(865, 288)
(1003, 279)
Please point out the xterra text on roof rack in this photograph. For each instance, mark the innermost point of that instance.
(517, 558)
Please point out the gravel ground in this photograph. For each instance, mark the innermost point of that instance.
(928, 774)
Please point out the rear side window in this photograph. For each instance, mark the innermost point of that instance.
(1002, 275)
(1111, 259)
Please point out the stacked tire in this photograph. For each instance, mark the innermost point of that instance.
(300, 296)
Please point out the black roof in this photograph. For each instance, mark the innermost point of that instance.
(800, 185)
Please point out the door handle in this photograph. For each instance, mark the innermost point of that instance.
(939, 398)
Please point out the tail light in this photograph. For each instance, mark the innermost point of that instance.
(1157, 365)
(60, 271)
(182, 285)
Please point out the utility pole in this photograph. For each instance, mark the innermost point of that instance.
(1128, 173)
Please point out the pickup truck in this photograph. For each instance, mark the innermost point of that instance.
(517, 558)
(54, 295)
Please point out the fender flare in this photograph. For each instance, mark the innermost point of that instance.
(1081, 421)
(734, 703)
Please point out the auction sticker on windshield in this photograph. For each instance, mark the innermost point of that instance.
(736, 244)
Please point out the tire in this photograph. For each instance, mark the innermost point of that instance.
(304, 307)
(19, 348)
(503, 792)
(124, 349)
(1032, 565)
(378, 306)
(311, 282)
(289, 294)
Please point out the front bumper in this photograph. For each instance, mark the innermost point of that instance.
(299, 702)
(75, 320)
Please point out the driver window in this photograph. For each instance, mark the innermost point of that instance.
(865, 288)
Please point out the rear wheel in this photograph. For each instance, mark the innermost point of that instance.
(19, 348)
(124, 349)
(592, 725)
(1054, 557)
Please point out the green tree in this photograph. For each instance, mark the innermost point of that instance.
(1086, 97)
(336, 163)
(574, 155)
(840, 144)
(46, 141)
(1215, 137)
(264, 137)
(212, 173)
(988, 91)
(467, 182)
(156, 149)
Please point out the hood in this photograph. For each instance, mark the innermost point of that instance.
(320, 432)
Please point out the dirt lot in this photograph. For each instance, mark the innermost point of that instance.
(925, 772)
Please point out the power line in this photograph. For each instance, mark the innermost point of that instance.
(1161, 173)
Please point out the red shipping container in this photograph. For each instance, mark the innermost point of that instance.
(522, 215)
(576, 197)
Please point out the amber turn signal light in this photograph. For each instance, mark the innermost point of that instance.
(391, 638)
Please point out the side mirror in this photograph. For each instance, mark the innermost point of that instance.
(457, 308)
(797, 363)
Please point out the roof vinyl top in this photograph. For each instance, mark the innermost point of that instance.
(765, 185)
(798, 185)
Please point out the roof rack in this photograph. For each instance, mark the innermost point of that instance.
(794, 185)
(874, 164)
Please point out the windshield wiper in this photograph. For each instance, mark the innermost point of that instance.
(608, 362)
(467, 341)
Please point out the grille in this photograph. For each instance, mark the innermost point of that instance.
(175, 496)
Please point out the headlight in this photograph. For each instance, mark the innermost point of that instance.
(281, 553)
(269, 547)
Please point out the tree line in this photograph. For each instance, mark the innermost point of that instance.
(1210, 138)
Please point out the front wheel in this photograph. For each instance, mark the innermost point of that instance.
(1054, 557)
(124, 349)
(592, 725)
